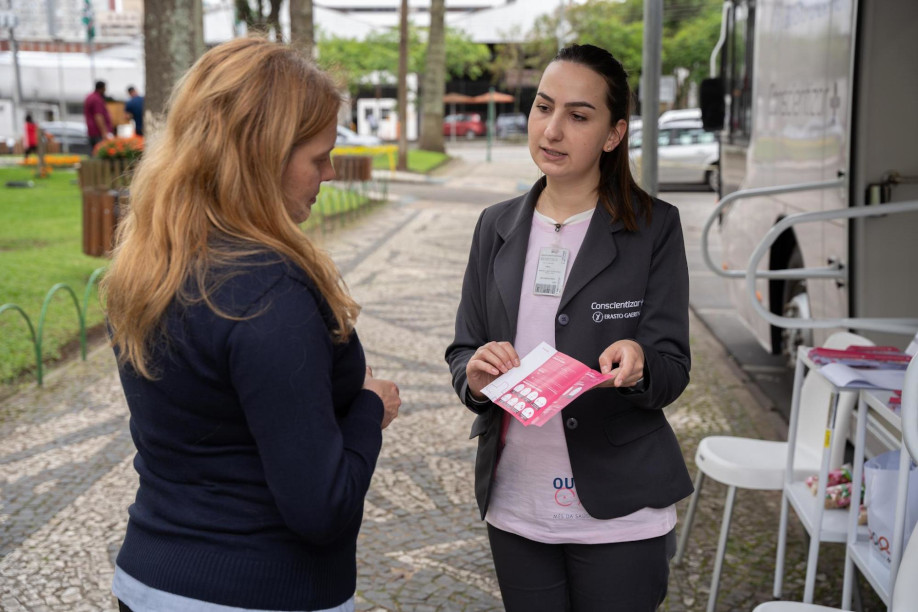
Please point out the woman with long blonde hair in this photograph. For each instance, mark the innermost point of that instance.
(256, 421)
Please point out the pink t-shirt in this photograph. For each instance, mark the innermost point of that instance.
(534, 493)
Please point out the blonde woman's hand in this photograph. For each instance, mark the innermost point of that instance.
(625, 361)
(489, 362)
(387, 392)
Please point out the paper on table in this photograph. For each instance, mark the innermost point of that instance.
(842, 375)
(545, 382)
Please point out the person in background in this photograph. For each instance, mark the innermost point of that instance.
(373, 121)
(98, 122)
(31, 137)
(134, 108)
(256, 420)
(580, 512)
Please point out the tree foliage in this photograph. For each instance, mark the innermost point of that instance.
(690, 29)
(355, 60)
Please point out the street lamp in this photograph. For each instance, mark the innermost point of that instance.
(62, 111)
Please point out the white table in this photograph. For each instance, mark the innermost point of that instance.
(822, 525)
(874, 405)
(841, 525)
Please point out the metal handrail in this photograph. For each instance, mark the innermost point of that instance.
(830, 272)
(909, 409)
(720, 41)
(889, 325)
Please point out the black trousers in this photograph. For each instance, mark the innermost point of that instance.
(618, 577)
(122, 607)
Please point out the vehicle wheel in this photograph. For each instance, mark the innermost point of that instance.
(469, 134)
(712, 178)
(796, 306)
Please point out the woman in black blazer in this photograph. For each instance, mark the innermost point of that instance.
(581, 511)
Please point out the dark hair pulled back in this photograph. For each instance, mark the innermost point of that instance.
(618, 191)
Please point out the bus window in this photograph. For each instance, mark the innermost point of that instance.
(664, 138)
(739, 70)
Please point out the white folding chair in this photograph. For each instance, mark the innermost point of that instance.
(905, 591)
(749, 463)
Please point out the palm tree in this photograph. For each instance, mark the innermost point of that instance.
(173, 40)
(302, 32)
(434, 85)
(403, 88)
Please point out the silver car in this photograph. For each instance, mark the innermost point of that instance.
(73, 134)
(686, 153)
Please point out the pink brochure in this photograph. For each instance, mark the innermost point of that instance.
(545, 382)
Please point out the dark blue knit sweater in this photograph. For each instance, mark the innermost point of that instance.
(255, 448)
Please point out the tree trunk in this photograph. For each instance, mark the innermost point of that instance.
(244, 13)
(302, 32)
(434, 86)
(274, 20)
(173, 40)
(403, 88)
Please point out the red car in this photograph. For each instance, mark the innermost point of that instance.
(469, 125)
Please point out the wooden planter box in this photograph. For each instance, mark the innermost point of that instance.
(353, 167)
(104, 186)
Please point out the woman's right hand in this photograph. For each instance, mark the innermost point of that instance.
(387, 392)
(489, 362)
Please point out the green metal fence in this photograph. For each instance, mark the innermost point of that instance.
(37, 334)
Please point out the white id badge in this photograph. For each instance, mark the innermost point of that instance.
(549, 278)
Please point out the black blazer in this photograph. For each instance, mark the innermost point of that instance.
(623, 453)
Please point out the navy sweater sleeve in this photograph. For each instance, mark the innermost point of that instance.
(317, 464)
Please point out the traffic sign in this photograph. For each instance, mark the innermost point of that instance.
(89, 20)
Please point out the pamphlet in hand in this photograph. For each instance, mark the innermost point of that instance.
(842, 375)
(545, 382)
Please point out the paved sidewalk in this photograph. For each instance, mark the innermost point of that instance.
(65, 453)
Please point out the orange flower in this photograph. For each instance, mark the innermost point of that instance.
(119, 148)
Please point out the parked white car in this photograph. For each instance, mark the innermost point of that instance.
(350, 138)
(679, 114)
(686, 153)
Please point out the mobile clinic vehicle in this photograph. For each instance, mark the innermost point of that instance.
(816, 107)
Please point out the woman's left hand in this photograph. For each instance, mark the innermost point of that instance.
(625, 361)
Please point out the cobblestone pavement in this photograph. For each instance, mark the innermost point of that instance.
(65, 453)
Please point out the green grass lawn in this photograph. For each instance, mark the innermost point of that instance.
(40, 246)
(418, 161)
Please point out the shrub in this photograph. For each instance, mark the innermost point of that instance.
(119, 148)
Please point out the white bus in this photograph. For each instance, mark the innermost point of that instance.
(820, 95)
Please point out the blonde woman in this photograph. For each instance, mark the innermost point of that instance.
(256, 421)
